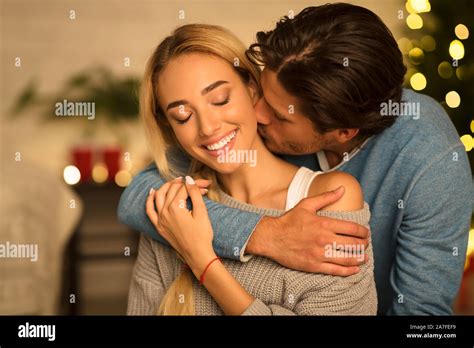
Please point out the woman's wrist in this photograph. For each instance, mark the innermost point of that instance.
(198, 263)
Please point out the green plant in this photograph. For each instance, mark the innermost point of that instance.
(115, 97)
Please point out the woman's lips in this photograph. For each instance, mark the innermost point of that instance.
(222, 150)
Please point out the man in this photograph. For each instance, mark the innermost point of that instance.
(332, 92)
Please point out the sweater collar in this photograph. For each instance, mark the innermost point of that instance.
(323, 161)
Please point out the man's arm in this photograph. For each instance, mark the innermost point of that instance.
(295, 240)
(232, 227)
(299, 238)
(432, 239)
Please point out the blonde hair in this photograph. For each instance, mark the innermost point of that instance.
(190, 38)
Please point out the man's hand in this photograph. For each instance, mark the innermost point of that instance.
(298, 238)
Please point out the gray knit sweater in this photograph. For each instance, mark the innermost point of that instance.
(277, 289)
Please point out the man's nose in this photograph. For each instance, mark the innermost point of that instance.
(263, 112)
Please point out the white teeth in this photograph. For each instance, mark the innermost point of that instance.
(223, 142)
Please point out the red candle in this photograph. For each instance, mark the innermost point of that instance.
(82, 158)
(112, 161)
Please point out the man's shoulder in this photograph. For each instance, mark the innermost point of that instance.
(425, 126)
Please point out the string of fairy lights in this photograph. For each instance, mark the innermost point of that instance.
(416, 55)
(100, 173)
(418, 81)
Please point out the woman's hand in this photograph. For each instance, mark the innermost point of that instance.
(188, 232)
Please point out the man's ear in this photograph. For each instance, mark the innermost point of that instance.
(345, 135)
(253, 91)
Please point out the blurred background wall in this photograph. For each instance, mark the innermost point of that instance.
(96, 50)
(52, 47)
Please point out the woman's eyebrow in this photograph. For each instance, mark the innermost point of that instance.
(206, 90)
(212, 86)
(176, 103)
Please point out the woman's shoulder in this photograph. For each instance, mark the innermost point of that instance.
(353, 198)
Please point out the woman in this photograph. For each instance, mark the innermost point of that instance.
(199, 94)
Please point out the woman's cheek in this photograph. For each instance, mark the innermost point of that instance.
(247, 110)
(184, 138)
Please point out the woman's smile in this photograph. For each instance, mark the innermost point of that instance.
(221, 143)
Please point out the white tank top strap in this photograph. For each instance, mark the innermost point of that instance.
(299, 186)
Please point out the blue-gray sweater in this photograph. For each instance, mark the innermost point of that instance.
(418, 183)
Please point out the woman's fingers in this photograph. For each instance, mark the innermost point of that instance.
(150, 208)
(161, 199)
(180, 199)
(170, 195)
(194, 193)
(203, 183)
(160, 196)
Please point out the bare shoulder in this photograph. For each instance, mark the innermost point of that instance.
(353, 198)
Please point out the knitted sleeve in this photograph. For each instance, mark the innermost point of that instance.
(318, 294)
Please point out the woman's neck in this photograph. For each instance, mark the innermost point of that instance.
(263, 183)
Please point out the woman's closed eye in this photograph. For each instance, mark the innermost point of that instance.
(219, 102)
(222, 102)
(185, 120)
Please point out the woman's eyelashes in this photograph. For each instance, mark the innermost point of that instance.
(219, 103)
(185, 120)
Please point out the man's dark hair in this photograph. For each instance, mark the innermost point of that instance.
(340, 60)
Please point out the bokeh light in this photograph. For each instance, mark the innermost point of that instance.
(456, 49)
(416, 55)
(461, 72)
(467, 140)
(71, 175)
(414, 21)
(100, 173)
(123, 178)
(445, 70)
(472, 126)
(409, 8)
(453, 99)
(461, 32)
(418, 81)
(428, 43)
(420, 5)
(405, 45)
(470, 247)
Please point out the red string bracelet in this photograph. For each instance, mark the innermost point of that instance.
(201, 279)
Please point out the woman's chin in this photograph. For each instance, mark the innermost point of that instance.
(224, 168)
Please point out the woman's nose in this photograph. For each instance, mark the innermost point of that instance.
(263, 112)
(209, 124)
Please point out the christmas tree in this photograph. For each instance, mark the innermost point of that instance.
(439, 54)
